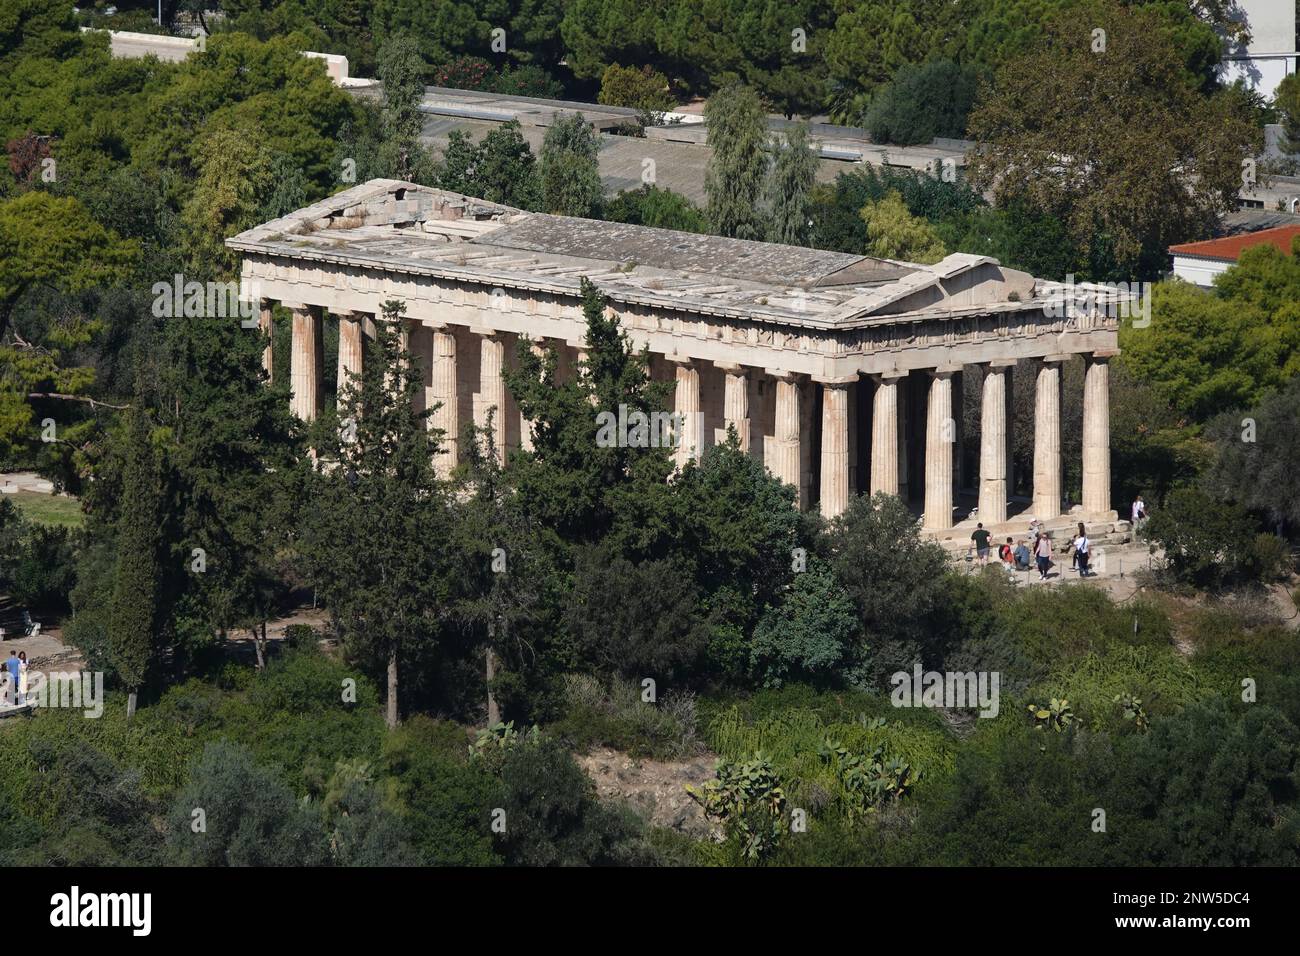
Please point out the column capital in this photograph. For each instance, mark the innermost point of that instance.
(836, 381)
(487, 333)
(890, 377)
(1102, 355)
(944, 370)
(1055, 358)
(1001, 363)
(294, 306)
(781, 374)
(678, 359)
(731, 368)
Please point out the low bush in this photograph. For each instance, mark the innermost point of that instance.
(612, 713)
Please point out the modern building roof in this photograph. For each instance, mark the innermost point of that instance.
(409, 229)
(1230, 248)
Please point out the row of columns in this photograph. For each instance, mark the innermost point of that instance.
(888, 430)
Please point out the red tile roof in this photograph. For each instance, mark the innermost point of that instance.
(1230, 247)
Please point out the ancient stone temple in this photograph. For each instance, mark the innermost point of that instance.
(837, 371)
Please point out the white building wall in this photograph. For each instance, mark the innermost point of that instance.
(1199, 271)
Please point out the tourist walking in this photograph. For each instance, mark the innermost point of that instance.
(1138, 513)
(1043, 552)
(981, 539)
(22, 677)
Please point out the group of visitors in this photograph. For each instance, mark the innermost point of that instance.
(15, 678)
(1016, 556)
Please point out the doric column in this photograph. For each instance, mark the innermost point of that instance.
(686, 405)
(835, 447)
(1096, 433)
(492, 392)
(306, 361)
(443, 388)
(350, 348)
(993, 445)
(735, 401)
(884, 435)
(267, 327)
(788, 430)
(940, 439)
(1047, 439)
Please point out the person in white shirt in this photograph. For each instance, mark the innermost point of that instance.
(1082, 547)
(1139, 511)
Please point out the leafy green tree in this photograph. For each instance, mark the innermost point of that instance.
(509, 574)
(892, 233)
(1256, 456)
(1206, 543)
(49, 244)
(1287, 101)
(737, 136)
(808, 634)
(1204, 353)
(444, 798)
(569, 483)
(922, 102)
(500, 169)
(1039, 131)
(789, 183)
(133, 618)
(736, 527)
(894, 577)
(236, 475)
(837, 207)
(638, 620)
(402, 73)
(655, 206)
(388, 593)
(644, 90)
(570, 176)
(234, 184)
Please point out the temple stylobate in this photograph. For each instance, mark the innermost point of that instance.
(837, 371)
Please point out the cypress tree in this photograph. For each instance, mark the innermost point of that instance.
(788, 188)
(133, 614)
(733, 182)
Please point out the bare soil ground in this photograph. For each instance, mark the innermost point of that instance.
(655, 789)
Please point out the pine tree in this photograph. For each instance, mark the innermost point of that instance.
(236, 468)
(733, 182)
(788, 187)
(378, 515)
(133, 613)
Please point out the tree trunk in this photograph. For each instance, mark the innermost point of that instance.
(259, 646)
(130, 704)
(392, 689)
(493, 709)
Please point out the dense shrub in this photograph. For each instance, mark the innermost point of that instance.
(236, 813)
(922, 102)
(553, 819)
(447, 802)
(808, 636)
